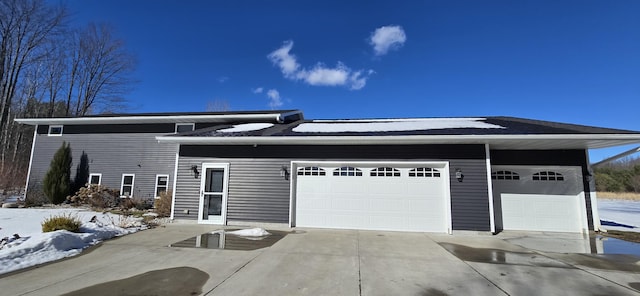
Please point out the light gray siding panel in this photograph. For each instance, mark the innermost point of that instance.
(257, 192)
(111, 155)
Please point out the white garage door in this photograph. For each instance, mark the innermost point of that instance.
(539, 198)
(376, 196)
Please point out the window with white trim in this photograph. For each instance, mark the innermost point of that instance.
(162, 184)
(126, 187)
(311, 171)
(505, 175)
(347, 171)
(424, 172)
(55, 130)
(95, 179)
(185, 127)
(385, 172)
(547, 176)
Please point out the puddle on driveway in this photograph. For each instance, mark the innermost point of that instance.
(610, 245)
(173, 281)
(222, 240)
(618, 262)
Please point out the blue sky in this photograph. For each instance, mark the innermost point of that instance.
(567, 61)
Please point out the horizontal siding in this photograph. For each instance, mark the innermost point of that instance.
(470, 198)
(111, 155)
(257, 192)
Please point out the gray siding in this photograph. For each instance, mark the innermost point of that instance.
(257, 192)
(111, 155)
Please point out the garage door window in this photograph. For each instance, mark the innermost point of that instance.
(505, 175)
(385, 172)
(548, 176)
(311, 171)
(424, 172)
(347, 171)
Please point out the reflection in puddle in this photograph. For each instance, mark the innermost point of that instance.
(222, 240)
(619, 262)
(172, 281)
(609, 245)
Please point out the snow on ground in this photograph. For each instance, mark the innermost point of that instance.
(623, 215)
(34, 247)
(250, 232)
(391, 126)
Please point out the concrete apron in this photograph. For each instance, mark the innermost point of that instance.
(338, 262)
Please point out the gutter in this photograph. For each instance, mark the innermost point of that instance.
(617, 156)
(270, 117)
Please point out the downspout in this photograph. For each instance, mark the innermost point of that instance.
(175, 182)
(490, 188)
(595, 216)
(33, 147)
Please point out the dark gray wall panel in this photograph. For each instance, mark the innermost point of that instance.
(549, 157)
(257, 192)
(470, 198)
(111, 155)
(166, 128)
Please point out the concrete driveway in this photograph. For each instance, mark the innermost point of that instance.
(331, 262)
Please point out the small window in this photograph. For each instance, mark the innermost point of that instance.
(55, 130)
(184, 127)
(95, 179)
(347, 171)
(424, 172)
(126, 189)
(548, 176)
(385, 172)
(505, 175)
(162, 184)
(311, 171)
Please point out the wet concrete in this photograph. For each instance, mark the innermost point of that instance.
(613, 262)
(173, 281)
(635, 285)
(433, 292)
(222, 240)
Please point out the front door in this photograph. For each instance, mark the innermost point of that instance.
(213, 193)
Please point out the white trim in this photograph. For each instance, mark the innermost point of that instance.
(33, 147)
(490, 188)
(595, 213)
(99, 178)
(225, 192)
(133, 181)
(193, 126)
(444, 165)
(155, 190)
(275, 116)
(55, 126)
(175, 181)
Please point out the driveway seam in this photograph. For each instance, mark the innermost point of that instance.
(359, 271)
(232, 274)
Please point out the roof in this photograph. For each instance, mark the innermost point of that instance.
(499, 132)
(176, 117)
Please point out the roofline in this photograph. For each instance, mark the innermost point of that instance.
(271, 116)
(615, 139)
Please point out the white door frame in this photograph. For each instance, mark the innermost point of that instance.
(225, 193)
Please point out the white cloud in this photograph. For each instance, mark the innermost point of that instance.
(257, 90)
(387, 38)
(274, 98)
(223, 79)
(319, 75)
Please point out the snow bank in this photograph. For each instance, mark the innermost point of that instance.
(250, 232)
(34, 247)
(392, 125)
(625, 212)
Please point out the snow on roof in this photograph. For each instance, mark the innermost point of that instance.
(392, 125)
(245, 127)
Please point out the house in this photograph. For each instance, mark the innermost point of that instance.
(484, 174)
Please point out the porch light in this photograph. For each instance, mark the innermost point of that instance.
(459, 175)
(194, 171)
(284, 173)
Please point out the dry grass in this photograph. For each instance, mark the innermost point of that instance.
(623, 235)
(619, 195)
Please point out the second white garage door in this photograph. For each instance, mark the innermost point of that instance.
(376, 196)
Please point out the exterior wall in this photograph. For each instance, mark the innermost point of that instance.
(552, 158)
(110, 154)
(255, 180)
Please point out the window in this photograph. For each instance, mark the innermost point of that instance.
(347, 171)
(424, 172)
(95, 179)
(548, 176)
(505, 175)
(55, 130)
(184, 127)
(126, 189)
(385, 172)
(162, 184)
(311, 171)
